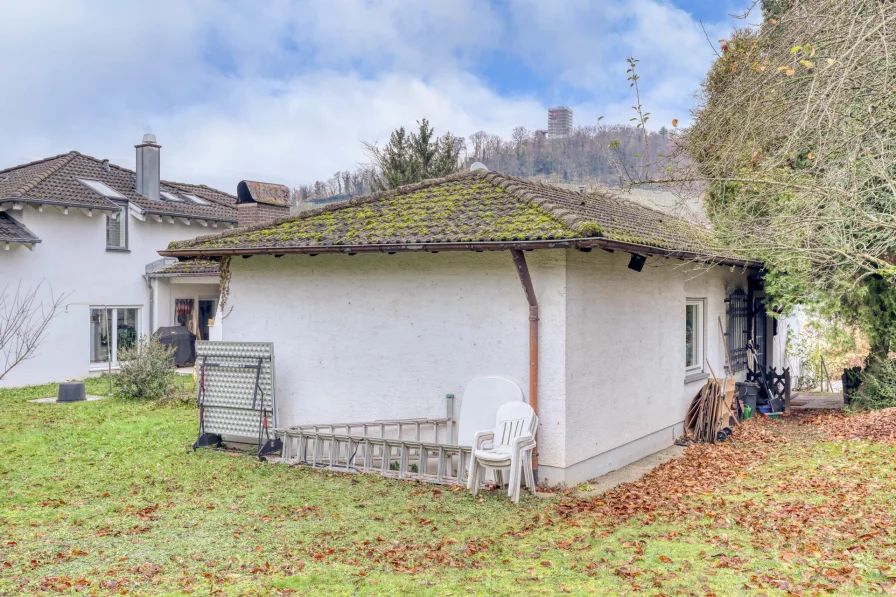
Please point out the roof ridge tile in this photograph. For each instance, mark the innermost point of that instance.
(36, 162)
(44, 175)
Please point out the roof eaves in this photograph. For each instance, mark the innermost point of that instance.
(183, 274)
(112, 206)
(23, 240)
(572, 243)
(28, 237)
(190, 216)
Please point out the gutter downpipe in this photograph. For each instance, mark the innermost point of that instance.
(149, 285)
(522, 269)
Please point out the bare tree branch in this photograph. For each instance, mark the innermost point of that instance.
(24, 321)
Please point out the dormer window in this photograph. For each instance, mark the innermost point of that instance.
(98, 187)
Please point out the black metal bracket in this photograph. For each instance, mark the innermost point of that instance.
(209, 440)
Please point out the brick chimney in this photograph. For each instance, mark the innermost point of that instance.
(260, 202)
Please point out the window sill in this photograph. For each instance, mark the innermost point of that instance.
(696, 376)
(117, 250)
(102, 367)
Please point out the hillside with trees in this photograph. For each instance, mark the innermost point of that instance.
(582, 158)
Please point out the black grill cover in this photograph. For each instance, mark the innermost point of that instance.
(182, 340)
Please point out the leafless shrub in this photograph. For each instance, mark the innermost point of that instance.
(24, 321)
(795, 139)
(794, 144)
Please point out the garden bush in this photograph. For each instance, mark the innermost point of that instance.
(878, 389)
(147, 370)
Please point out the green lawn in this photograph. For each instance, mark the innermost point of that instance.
(107, 498)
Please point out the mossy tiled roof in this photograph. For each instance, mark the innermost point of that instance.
(470, 207)
(190, 267)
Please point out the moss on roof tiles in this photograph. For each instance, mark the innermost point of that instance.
(459, 210)
(466, 207)
(191, 267)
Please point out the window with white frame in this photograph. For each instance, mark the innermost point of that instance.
(111, 330)
(694, 335)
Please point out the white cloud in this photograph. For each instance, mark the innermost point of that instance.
(314, 126)
(285, 91)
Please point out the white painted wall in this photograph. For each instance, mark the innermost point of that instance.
(626, 354)
(376, 336)
(72, 258)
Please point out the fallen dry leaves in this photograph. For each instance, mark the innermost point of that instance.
(702, 468)
(877, 425)
(773, 491)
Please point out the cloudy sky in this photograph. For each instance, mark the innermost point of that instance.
(286, 90)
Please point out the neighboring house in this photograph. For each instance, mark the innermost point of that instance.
(380, 306)
(91, 230)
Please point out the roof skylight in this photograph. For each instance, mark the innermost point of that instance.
(170, 196)
(196, 199)
(102, 189)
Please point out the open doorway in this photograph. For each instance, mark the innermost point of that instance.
(206, 317)
(183, 313)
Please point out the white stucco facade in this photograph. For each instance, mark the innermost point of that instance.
(375, 336)
(72, 259)
(388, 336)
(627, 392)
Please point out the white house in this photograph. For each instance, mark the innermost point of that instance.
(91, 230)
(381, 306)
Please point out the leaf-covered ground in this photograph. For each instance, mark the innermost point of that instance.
(107, 498)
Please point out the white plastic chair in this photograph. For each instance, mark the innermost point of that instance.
(508, 446)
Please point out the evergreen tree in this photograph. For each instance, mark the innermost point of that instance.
(415, 157)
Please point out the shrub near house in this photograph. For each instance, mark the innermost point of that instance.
(147, 370)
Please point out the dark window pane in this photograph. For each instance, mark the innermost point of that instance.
(100, 335)
(127, 328)
(689, 323)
